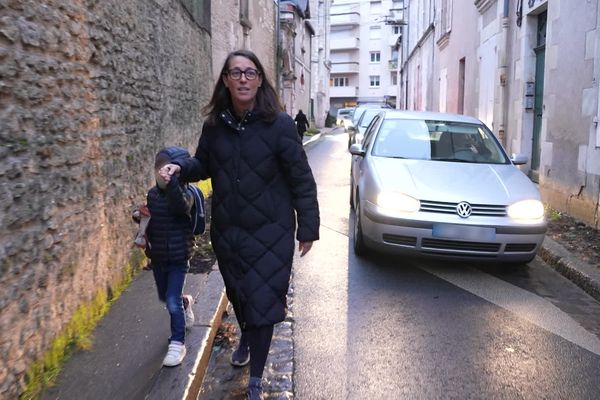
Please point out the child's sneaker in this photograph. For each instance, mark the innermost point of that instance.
(189, 313)
(175, 354)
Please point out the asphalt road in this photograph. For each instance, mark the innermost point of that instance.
(401, 328)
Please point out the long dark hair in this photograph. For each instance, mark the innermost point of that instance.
(267, 102)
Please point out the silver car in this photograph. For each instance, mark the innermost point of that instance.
(441, 185)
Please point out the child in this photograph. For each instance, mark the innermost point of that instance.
(168, 245)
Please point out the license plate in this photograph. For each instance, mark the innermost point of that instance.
(462, 232)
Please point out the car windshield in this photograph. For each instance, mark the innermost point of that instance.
(368, 116)
(437, 140)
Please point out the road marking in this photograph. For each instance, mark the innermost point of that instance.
(524, 304)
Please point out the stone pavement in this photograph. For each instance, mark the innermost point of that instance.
(131, 340)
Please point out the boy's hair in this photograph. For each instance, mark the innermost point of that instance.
(170, 154)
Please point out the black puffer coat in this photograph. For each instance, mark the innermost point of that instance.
(169, 232)
(260, 176)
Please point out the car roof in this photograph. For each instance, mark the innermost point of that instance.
(430, 116)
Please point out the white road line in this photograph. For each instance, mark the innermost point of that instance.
(524, 304)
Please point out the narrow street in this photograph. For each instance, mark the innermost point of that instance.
(392, 327)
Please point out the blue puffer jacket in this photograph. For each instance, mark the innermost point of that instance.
(169, 232)
(264, 193)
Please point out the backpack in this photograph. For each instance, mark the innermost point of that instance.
(198, 218)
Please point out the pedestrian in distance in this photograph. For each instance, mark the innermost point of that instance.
(168, 244)
(301, 123)
(264, 193)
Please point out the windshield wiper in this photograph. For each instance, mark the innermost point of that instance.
(453, 160)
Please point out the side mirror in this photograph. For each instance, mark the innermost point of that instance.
(519, 159)
(357, 150)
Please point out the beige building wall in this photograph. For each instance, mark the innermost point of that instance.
(244, 24)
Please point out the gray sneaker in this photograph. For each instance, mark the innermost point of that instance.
(240, 357)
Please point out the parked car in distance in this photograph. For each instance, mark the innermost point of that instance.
(344, 114)
(357, 131)
(358, 112)
(441, 185)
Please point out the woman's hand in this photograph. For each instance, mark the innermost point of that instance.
(304, 247)
(169, 170)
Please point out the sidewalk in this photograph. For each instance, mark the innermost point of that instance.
(125, 361)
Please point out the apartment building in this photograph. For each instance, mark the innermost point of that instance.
(364, 52)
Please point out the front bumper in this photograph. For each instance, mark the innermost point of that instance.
(449, 236)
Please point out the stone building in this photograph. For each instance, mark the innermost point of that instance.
(89, 92)
(245, 24)
(320, 60)
(529, 70)
(295, 38)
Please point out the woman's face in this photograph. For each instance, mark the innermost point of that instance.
(242, 90)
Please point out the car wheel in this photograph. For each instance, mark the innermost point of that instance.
(360, 249)
(351, 196)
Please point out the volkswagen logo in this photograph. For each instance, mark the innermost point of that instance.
(463, 209)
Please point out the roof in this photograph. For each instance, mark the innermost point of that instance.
(429, 115)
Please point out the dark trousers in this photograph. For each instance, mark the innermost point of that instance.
(170, 280)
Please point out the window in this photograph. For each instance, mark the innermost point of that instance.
(395, 29)
(394, 79)
(375, 32)
(375, 56)
(374, 81)
(375, 8)
(341, 81)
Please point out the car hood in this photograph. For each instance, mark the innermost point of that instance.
(500, 184)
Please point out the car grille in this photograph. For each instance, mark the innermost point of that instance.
(519, 247)
(485, 210)
(401, 240)
(438, 244)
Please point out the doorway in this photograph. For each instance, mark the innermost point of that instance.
(538, 105)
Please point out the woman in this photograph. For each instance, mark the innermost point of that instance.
(301, 123)
(260, 176)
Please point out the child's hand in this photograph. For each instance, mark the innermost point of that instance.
(169, 170)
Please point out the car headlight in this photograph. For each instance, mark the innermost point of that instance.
(526, 209)
(397, 202)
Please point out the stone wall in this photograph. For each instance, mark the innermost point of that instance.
(89, 91)
(257, 33)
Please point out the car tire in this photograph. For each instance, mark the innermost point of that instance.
(358, 241)
(351, 195)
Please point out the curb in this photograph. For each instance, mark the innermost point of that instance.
(185, 382)
(584, 275)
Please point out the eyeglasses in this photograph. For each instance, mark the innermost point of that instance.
(249, 73)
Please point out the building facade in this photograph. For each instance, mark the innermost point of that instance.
(245, 24)
(320, 61)
(529, 70)
(364, 53)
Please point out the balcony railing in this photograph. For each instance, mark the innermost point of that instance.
(342, 19)
(393, 65)
(343, 91)
(345, 67)
(345, 44)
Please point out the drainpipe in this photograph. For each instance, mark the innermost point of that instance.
(502, 82)
(278, 49)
